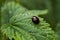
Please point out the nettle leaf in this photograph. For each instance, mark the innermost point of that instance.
(8, 10)
(17, 24)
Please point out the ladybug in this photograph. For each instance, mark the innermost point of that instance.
(35, 20)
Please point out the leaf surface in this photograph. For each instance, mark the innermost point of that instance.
(17, 23)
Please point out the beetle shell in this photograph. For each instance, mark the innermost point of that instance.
(35, 20)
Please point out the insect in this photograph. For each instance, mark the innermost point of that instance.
(35, 20)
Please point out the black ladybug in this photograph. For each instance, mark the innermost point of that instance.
(35, 20)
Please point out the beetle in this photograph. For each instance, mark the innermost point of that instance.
(35, 20)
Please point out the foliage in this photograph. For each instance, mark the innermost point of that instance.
(53, 16)
(17, 23)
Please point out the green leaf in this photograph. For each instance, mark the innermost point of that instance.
(8, 9)
(17, 23)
